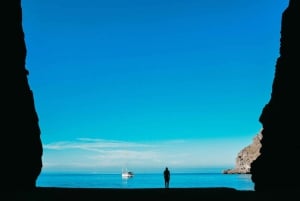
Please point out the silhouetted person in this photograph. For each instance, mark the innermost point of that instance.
(167, 177)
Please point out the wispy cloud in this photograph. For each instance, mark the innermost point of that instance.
(100, 154)
(91, 144)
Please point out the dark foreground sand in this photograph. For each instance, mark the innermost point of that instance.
(185, 194)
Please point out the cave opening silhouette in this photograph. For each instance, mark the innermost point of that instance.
(21, 136)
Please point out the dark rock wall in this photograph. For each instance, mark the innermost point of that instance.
(276, 167)
(21, 147)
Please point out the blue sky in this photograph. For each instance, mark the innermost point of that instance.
(148, 84)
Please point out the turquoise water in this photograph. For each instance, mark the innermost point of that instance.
(178, 180)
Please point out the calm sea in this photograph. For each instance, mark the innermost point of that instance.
(153, 180)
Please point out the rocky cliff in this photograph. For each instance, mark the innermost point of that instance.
(246, 156)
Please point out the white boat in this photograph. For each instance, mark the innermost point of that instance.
(127, 174)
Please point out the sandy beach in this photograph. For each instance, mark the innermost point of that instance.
(90, 194)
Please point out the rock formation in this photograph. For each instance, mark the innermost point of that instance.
(275, 168)
(246, 156)
(21, 147)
